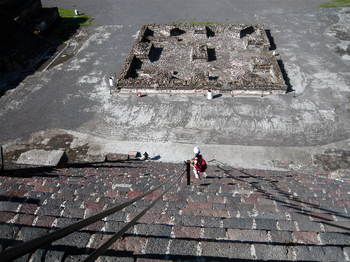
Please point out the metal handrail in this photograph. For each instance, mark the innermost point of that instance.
(31, 245)
(2, 160)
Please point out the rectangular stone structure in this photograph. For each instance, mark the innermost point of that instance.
(184, 57)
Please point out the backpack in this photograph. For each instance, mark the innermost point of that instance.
(201, 164)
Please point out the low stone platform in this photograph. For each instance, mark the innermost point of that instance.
(232, 214)
(188, 58)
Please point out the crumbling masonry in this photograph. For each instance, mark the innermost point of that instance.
(184, 57)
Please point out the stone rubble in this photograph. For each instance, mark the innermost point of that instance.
(217, 57)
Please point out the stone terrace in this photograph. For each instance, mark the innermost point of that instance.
(232, 214)
(219, 57)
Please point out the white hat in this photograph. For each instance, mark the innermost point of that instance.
(196, 150)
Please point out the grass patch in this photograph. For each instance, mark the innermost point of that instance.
(66, 25)
(202, 22)
(74, 20)
(335, 3)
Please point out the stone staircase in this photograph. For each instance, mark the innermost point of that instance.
(233, 214)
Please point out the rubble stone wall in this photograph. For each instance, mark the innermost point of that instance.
(217, 57)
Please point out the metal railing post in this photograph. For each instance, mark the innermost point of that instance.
(188, 169)
(2, 161)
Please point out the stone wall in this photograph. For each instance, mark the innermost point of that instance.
(20, 46)
(219, 56)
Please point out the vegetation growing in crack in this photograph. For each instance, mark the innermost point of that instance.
(335, 3)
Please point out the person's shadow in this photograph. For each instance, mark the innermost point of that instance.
(217, 96)
(156, 157)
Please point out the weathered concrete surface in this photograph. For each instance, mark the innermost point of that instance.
(41, 157)
(241, 130)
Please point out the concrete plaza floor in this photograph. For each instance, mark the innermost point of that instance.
(249, 131)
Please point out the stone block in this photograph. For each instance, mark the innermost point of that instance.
(240, 223)
(131, 244)
(39, 157)
(321, 217)
(309, 238)
(75, 258)
(45, 221)
(198, 205)
(335, 238)
(97, 226)
(247, 235)
(8, 231)
(183, 247)
(266, 224)
(286, 225)
(226, 250)
(63, 222)
(157, 246)
(28, 208)
(16, 193)
(309, 226)
(115, 226)
(73, 212)
(337, 226)
(271, 215)
(29, 233)
(187, 232)
(151, 218)
(47, 210)
(133, 154)
(117, 157)
(94, 205)
(181, 220)
(156, 230)
(86, 159)
(211, 222)
(76, 239)
(9, 206)
(281, 237)
(197, 198)
(214, 233)
(54, 256)
(6, 216)
(38, 256)
(318, 253)
(118, 216)
(42, 188)
(24, 219)
(273, 252)
(119, 259)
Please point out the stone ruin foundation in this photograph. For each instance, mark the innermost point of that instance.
(190, 58)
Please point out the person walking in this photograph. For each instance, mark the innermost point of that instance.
(198, 163)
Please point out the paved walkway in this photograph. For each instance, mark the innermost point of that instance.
(237, 214)
(294, 128)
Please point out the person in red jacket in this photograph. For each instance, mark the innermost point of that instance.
(198, 163)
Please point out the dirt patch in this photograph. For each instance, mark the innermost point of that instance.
(333, 159)
(77, 152)
(67, 49)
(340, 31)
(58, 141)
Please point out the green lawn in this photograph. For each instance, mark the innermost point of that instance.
(194, 22)
(67, 24)
(336, 3)
(73, 20)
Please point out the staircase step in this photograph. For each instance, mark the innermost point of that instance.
(233, 214)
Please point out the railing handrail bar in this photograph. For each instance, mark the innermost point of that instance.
(31, 245)
(117, 235)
